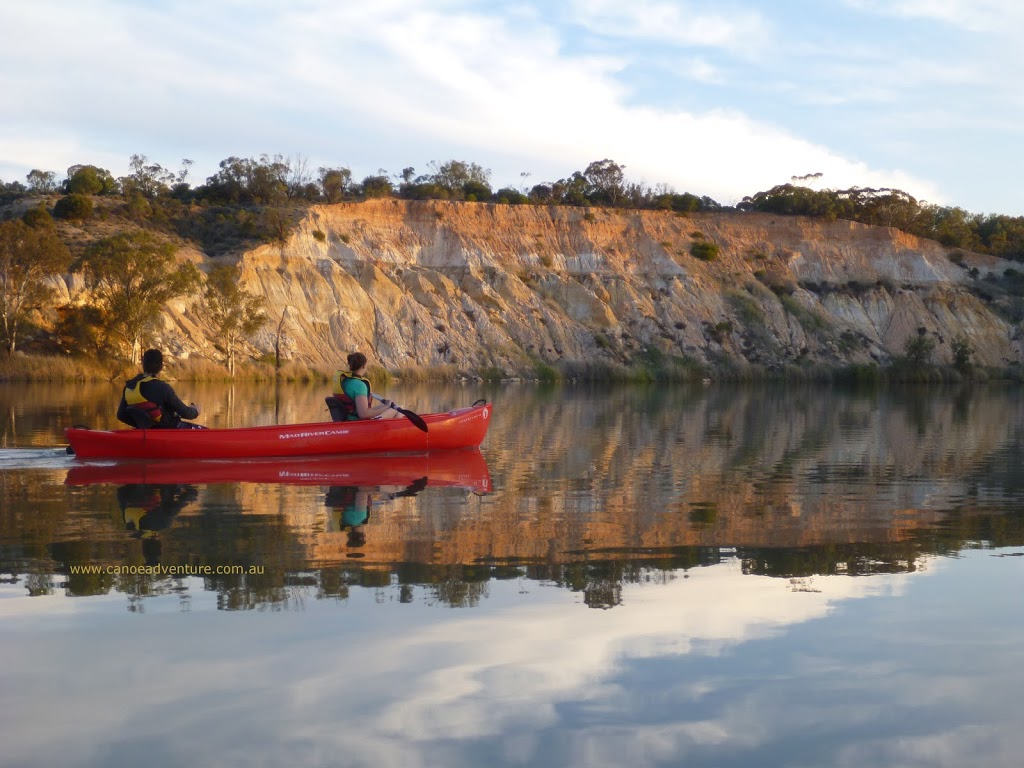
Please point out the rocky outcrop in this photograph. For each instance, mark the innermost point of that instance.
(480, 286)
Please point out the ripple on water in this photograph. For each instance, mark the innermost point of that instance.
(35, 458)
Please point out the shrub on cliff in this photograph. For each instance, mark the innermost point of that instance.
(704, 250)
(73, 207)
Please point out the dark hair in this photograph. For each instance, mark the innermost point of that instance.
(356, 360)
(152, 361)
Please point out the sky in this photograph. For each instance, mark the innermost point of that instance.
(723, 98)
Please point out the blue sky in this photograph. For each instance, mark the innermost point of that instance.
(715, 98)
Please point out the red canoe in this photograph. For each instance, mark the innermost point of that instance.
(460, 468)
(462, 428)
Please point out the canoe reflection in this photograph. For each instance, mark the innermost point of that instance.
(462, 468)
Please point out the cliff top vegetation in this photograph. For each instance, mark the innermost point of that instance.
(254, 200)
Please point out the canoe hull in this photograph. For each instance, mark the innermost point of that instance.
(464, 468)
(462, 428)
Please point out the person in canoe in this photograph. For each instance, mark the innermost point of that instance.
(149, 403)
(352, 399)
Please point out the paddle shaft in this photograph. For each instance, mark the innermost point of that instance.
(416, 419)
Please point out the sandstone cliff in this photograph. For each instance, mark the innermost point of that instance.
(480, 286)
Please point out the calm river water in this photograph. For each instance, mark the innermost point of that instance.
(641, 576)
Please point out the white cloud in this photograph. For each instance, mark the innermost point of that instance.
(973, 15)
(382, 84)
(317, 683)
(738, 30)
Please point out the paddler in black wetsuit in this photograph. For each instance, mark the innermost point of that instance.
(149, 403)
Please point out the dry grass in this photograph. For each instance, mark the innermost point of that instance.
(57, 368)
(60, 368)
(428, 373)
(202, 369)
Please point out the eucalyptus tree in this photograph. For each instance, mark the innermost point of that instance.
(462, 179)
(334, 183)
(147, 179)
(234, 311)
(41, 182)
(132, 276)
(605, 181)
(29, 258)
(89, 180)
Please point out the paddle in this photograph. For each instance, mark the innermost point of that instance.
(417, 421)
(414, 487)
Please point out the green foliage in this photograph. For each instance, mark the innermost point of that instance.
(334, 183)
(28, 256)
(860, 374)
(918, 351)
(460, 179)
(147, 180)
(721, 330)
(953, 227)
(234, 312)
(545, 372)
(705, 250)
(277, 223)
(491, 373)
(703, 514)
(73, 207)
(747, 310)
(809, 320)
(132, 276)
(775, 280)
(377, 186)
(605, 182)
(962, 351)
(261, 181)
(38, 217)
(81, 330)
(509, 196)
(41, 182)
(89, 180)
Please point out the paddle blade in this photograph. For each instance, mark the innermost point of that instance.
(414, 487)
(416, 420)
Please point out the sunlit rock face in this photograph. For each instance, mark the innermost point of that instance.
(479, 286)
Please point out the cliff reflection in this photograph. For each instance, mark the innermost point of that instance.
(592, 489)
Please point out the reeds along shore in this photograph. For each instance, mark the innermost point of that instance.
(29, 368)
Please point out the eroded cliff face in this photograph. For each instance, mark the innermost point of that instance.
(482, 286)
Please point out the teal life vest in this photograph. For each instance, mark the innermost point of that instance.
(345, 391)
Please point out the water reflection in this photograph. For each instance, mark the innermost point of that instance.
(349, 507)
(593, 489)
(715, 533)
(147, 509)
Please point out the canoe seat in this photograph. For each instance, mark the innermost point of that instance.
(336, 408)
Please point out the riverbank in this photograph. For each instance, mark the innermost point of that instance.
(649, 368)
